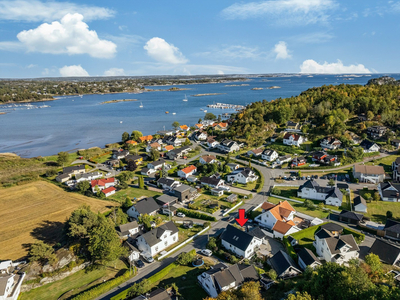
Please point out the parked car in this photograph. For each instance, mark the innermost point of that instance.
(180, 215)
(148, 258)
(206, 252)
(139, 263)
(225, 188)
(316, 176)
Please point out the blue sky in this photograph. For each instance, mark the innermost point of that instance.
(130, 37)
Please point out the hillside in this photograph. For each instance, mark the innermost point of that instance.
(35, 210)
(329, 109)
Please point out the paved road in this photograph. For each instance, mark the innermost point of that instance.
(101, 167)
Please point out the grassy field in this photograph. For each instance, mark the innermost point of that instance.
(37, 210)
(16, 170)
(376, 210)
(133, 193)
(317, 213)
(72, 285)
(385, 162)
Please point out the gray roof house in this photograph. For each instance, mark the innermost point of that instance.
(360, 205)
(312, 190)
(145, 206)
(388, 253)
(307, 258)
(284, 265)
(128, 229)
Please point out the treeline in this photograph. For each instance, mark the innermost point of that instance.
(36, 90)
(328, 108)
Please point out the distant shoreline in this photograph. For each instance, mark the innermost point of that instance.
(208, 94)
(117, 101)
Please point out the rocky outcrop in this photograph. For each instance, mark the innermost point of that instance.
(385, 80)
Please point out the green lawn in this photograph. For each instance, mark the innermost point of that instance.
(376, 210)
(385, 162)
(130, 192)
(102, 158)
(73, 284)
(317, 213)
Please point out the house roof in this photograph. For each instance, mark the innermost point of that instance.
(359, 200)
(184, 127)
(282, 227)
(210, 180)
(165, 199)
(307, 256)
(63, 176)
(392, 226)
(158, 162)
(387, 253)
(169, 147)
(257, 232)
(133, 157)
(275, 211)
(237, 237)
(268, 152)
(281, 261)
(131, 142)
(198, 125)
(351, 215)
(102, 181)
(223, 125)
(390, 190)
(124, 229)
(364, 169)
(331, 140)
(296, 137)
(367, 144)
(336, 243)
(146, 206)
(257, 151)
(146, 138)
(332, 227)
(3, 284)
(323, 234)
(208, 158)
(237, 274)
(158, 294)
(73, 168)
(166, 181)
(267, 206)
(152, 237)
(189, 169)
(155, 145)
(182, 188)
(108, 190)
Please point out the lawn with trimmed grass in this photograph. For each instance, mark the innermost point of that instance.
(385, 162)
(73, 284)
(376, 210)
(317, 213)
(131, 192)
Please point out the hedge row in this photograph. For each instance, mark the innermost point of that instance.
(103, 287)
(196, 215)
(289, 248)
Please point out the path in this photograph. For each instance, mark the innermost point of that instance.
(101, 167)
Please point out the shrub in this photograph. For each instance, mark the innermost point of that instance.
(196, 215)
(359, 237)
(185, 258)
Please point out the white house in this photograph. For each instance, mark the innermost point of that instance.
(168, 183)
(389, 191)
(241, 243)
(147, 171)
(133, 252)
(211, 142)
(228, 146)
(158, 239)
(88, 176)
(186, 172)
(200, 135)
(307, 259)
(388, 253)
(278, 218)
(370, 174)
(109, 191)
(154, 145)
(269, 155)
(339, 249)
(145, 206)
(120, 154)
(293, 139)
(10, 286)
(360, 205)
(221, 278)
(255, 152)
(242, 175)
(158, 164)
(233, 166)
(330, 143)
(207, 159)
(312, 190)
(212, 181)
(102, 184)
(369, 147)
(283, 159)
(128, 230)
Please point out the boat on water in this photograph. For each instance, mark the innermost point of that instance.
(141, 105)
(186, 99)
(120, 122)
(81, 96)
(167, 112)
(174, 113)
(205, 110)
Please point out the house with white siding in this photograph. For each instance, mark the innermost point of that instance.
(241, 243)
(389, 191)
(312, 190)
(284, 265)
(307, 259)
(396, 170)
(242, 175)
(369, 174)
(158, 239)
(146, 206)
(293, 139)
(269, 155)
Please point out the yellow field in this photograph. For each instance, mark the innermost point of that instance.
(36, 210)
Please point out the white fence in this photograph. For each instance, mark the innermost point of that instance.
(183, 243)
(233, 208)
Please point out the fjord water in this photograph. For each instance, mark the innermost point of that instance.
(74, 122)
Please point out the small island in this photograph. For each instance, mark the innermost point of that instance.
(116, 101)
(209, 94)
(244, 84)
(256, 89)
(2, 113)
(176, 89)
(274, 87)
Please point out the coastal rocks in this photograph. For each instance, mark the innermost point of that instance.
(384, 80)
(175, 89)
(256, 89)
(208, 94)
(117, 101)
(274, 87)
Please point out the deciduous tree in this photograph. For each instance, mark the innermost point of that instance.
(62, 158)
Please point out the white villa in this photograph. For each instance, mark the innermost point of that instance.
(293, 139)
(269, 155)
(242, 175)
(239, 242)
(312, 190)
(369, 174)
(158, 239)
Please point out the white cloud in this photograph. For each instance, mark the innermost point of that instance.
(31, 66)
(283, 12)
(160, 50)
(39, 11)
(114, 72)
(312, 38)
(282, 51)
(71, 35)
(311, 66)
(11, 46)
(73, 71)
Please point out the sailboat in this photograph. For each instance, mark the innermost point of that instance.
(185, 99)
(141, 105)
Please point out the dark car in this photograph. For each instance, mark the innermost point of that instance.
(316, 176)
(139, 264)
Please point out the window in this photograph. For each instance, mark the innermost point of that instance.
(174, 238)
(157, 248)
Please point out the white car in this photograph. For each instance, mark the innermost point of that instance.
(148, 258)
(181, 215)
(206, 252)
(224, 188)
